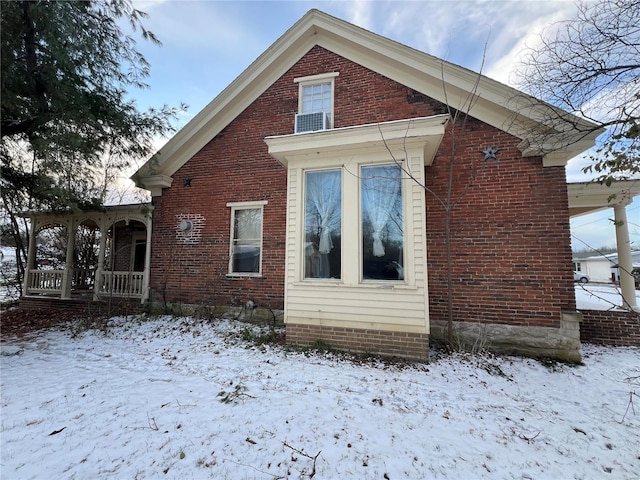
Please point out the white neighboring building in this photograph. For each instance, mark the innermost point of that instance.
(603, 268)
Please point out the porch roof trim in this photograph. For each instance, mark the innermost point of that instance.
(112, 213)
(589, 197)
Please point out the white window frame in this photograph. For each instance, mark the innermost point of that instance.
(236, 206)
(403, 196)
(303, 221)
(351, 223)
(317, 80)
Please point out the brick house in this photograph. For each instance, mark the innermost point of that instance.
(315, 184)
(301, 188)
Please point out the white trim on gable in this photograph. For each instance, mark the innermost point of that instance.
(492, 102)
(317, 78)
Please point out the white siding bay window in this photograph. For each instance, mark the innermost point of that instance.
(356, 224)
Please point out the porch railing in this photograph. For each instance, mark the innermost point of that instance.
(45, 281)
(83, 278)
(116, 284)
(122, 284)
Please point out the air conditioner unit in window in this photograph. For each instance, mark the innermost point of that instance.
(311, 122)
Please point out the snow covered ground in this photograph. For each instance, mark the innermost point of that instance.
(186, 399)
(599, 296)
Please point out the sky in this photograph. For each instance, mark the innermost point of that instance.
(207, 44)
(178, 398)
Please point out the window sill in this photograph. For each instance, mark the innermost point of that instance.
(364, 285)
(243, 275)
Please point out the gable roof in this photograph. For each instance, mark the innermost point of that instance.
(494, 103)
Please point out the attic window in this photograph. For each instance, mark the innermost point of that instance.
(315, 102)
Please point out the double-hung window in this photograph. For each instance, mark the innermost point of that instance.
(246, 238)
(315, 104)
(316, 98)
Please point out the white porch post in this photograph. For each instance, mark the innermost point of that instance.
(31, 256)
(67, 276)
(97, 284)
(625, 264)
(147, 260)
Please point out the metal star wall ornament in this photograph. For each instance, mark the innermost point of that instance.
(490, 153)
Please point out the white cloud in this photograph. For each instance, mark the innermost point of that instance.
(359, 13)
(458, 31)
(148, 5)
(518, 28)
(593, 231)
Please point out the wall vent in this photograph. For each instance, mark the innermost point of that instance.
(311, 122)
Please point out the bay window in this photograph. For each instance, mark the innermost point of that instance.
(356, 251)
(378, 192)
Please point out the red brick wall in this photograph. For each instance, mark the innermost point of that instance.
(83, 307)
(510, 233)
(511, 229)
(610, 328)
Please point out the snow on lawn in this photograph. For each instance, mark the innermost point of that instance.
(143, 400)
(600, 296)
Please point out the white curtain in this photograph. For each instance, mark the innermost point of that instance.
(380, 188)
(248, 225)
(323, 191)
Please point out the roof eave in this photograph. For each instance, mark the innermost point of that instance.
(479, 96)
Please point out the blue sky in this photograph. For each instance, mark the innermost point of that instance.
(207, 44)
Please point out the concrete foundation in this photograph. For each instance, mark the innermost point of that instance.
(538, 342)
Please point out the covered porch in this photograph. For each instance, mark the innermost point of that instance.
(92, 255)
(585, 198)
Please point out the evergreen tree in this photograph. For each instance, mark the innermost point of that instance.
(67, 72)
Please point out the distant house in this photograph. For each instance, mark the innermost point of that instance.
(306, 187)
(604, 268)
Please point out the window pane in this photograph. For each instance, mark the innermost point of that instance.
(382, 223)
(247, 228)
(322, 224)
(316, 98)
